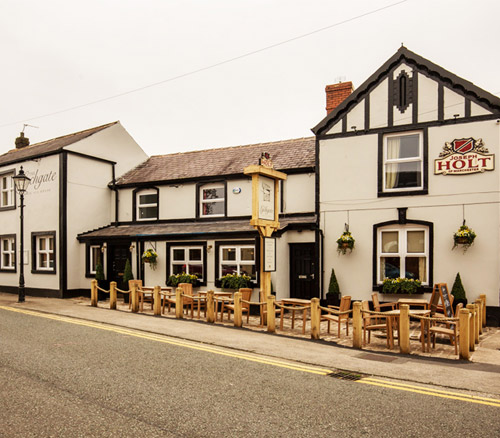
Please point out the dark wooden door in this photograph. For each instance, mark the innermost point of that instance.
(117, 257)
(302, 270)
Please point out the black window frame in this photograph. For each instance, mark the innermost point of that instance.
(199, 187)
(187, 245)
(14, 206)
(34, 254)
(135, 193)
(9, 236)
(219, 243)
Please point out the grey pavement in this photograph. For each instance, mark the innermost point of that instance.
(481, 374)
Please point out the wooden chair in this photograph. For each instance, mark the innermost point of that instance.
(377, 307)
(263, 308)
(187, 289)
(167, 301)
(138, 285)
(246, 295)
(369, 325)
(451, 329)
(345, 304)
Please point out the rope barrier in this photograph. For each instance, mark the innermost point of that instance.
(335, 311)
(281, 306)
(123, 291)
(253, 303)
(102, 290)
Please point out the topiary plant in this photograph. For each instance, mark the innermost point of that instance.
(99, 270)
(333, 287)
(458, 290)
(127, 274)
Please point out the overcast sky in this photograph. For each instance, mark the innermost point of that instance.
(61, 54)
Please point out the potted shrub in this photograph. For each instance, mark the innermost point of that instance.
(400, 285)
(458, 292)
(150, 256)
(127, 275)
(333, 294)
(345, 242)
(464, 236)
(175, 280)
(235, 281)
(99, 276)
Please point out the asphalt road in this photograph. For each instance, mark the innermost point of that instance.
(59, 379)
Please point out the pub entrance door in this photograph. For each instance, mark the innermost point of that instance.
(118, 253)
(302, 270)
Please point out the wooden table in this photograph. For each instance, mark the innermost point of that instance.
(393, 315)
(146, 290)
(420, 302)
(295, 302)
(216, 302)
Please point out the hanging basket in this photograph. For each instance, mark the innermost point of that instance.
(345, 242)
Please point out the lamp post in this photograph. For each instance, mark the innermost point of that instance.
(21, 182)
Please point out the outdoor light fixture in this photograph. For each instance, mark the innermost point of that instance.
(104, 247)
(132, 247)
(21, 181)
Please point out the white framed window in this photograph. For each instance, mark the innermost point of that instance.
(403, 163)
(44, 252)
(7, 190)
(7, 253)
(212, 200)
(403, 251)
(95, 257)
(188, 260)
(237, 259)
(147, 205)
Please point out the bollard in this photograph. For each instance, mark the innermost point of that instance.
(404, 329)
(237, 310)
(357, 325)
(472, 327)
(479, 304)
(135, 298)
(483, 299)
(156, 301)
(463, 322)
(179, 305)
(93, 293)
(315, 318)
(477, 323)
(271, 314)
(112, 295)
(210, 306)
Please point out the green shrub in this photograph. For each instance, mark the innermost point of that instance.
(458, 290)
(333, 287)
(235, 281)
(175, 280)
(127, 274)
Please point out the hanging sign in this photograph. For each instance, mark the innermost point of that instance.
(266, 198)
(269, 254)
(464, 156)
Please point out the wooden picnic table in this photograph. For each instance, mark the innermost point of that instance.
(393, 315)
(295, 302)
(419, 302)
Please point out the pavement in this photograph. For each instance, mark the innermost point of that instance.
(480, 374)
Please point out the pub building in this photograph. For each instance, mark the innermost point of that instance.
(404, 161)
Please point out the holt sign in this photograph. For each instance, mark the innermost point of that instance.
(464, 156)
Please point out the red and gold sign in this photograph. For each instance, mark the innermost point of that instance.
(464, 156)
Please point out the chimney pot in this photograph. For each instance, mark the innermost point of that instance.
(22, 141)
(336, 94)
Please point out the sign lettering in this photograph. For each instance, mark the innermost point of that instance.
(464, 156)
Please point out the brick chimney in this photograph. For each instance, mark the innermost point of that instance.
(22, 141)
(336, 94)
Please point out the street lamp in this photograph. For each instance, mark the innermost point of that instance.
(21, 182)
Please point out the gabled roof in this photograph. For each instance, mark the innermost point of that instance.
(286, 155)
(466, 88)
(49, 146)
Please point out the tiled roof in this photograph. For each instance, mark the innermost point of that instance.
(49, 146)
(186, 228)
(286, 154)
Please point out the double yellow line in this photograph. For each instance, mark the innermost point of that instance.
(259, 359)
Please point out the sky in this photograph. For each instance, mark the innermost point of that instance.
(185, 75)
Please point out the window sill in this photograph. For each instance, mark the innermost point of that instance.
(405, 193)
(41, 271)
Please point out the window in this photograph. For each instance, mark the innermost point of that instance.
(188, 260)
(7, 190)
(95, 257)
(237, 260)
(403, 162)
(43, 252)
(212, 197)
(147, 205)
(8, 253)
(403, 251)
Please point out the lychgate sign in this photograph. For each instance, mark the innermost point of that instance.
(463, 156)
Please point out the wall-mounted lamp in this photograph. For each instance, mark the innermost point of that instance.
(132, 247)
(104, 247)
(209, 248)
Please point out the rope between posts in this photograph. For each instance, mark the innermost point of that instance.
(253, 303)
(430, 318)
(123, 291)
(335, 311)
(225, 299)
(102, 290)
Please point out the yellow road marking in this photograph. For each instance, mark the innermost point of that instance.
(433, 392)
(170, 341)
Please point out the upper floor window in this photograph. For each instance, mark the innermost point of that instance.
(44, 253)
(187, 260)
(403, 162)
(7, 253)
(403, 251)
(237, 259)
(7, 190)
(212, 200)
(147, 205)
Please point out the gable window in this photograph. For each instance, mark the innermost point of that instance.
(7, 190)
(44, 252)
(8, 253)
(95, 258)
(147, 205)
(403, 251)
(403, 162)
(212, 200)
(237, 259)
(187, 260)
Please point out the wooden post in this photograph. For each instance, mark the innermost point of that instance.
(112, 295)
(93, 293)
(472, 327)
(135, 298)
(210, 306)
(479, 304)
(271, 315)
(477, 322)
(357, 325)
(156, 301)
(315, 318)
(237, 310)
(179, 305)
(404, 329)
(483, 299)
(464, 334)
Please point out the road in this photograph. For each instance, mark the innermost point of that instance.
(70, 378)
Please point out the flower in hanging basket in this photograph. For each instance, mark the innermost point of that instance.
(400, 286)
(345, 242)
(464, 236)
(150, 256)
